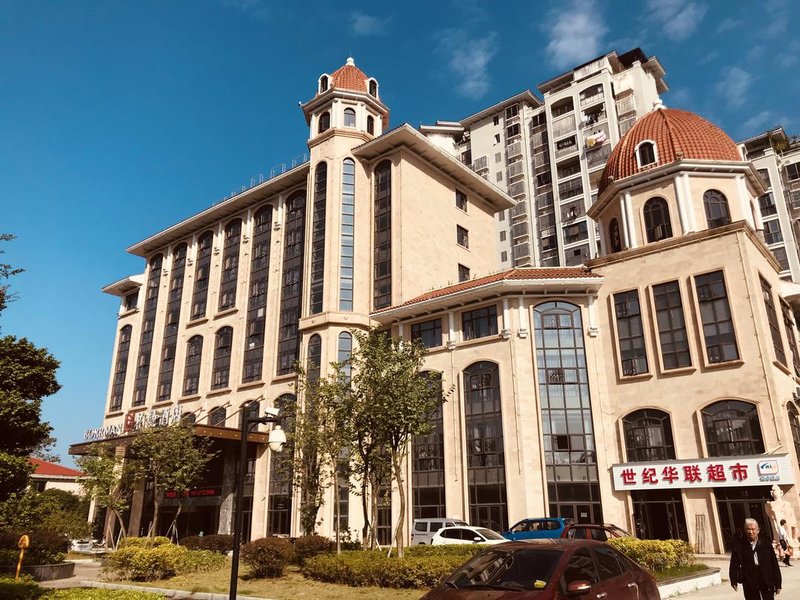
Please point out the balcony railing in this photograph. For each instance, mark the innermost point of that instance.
(625, 125)
(592, 98)
(480, 164)
(566, 149)
(598, 157)
(564, 126)
(520, 210)
(514, 149)
(516, 189)
(543, 200)
(520, 230)
(514, 169)
(571, 188)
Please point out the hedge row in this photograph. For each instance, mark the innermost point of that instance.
(656, 555)
(148, 563)
(422, 566)
(219, 543)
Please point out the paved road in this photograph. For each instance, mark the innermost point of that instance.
(791, 585)
(84, 571)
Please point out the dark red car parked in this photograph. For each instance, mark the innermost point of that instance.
(552, 569)
(589, 531)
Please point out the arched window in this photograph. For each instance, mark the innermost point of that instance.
(230, 265)
(202, 271)
(614, 239)
(427, 463)
(485, 454)
(373, 88)
(347, 237)
(148, 327)
(279, 498)
(716, 205)
(121, 367)
(217, 416)
(220, 375)
(646, 154)
(323, 84)
(324, 122)
(648, 435)
(656, 220)
(171, 322)
(257, 302)
(371, 125)
(794, 425)
(382, 291)
(566, 407)
(194, 357)
(349, 117)
(344, 351)
(313, 360)
(732, 428)
(292, 282)
(318, 238)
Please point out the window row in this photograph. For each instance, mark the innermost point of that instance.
(477, 323)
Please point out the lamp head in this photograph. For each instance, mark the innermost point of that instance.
(272, 412)
(277, 439)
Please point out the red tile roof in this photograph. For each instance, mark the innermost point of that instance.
(349, 77)
(539, 273)
(49, 469)
(678, 135)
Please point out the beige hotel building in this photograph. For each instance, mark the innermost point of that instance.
(652, 387)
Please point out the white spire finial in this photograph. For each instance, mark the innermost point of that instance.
(350, 61)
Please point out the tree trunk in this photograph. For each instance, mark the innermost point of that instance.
(365, 510)
(336, 509)
(399, 538)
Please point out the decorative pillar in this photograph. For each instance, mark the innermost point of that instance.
(227, 493)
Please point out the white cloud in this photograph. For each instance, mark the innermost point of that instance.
(707, 58)
(728, 24)
(790, 56)
(468, 59)
(364, 24)
(758, 122)
(678, 98)
(678, 18)
(777, 12)
(734, 86)
(576, 33)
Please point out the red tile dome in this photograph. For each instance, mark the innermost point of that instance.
(677, 135)
(349, 77)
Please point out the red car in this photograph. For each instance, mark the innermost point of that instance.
(551, 569)
(601, 533)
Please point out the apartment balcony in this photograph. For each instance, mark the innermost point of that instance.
(592, 119)
(521, 252)
(566, 147)
(480, 164)
(570, 170)
(515, 169)
(564, 126)
(576, 232)
(577, 256)
(520, 230)
(512, 120)
(626, 124)
(514, 150)
(516, 189)
(520, 211)
(539, 139)
(550, 261)
(572, 210)
(570, 189)
(544, 200)
(546, 221)
(592, 99)
(793, 198)
(599, 157)
(626, 105)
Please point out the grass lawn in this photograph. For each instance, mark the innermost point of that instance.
(292, 586)
(679, 572)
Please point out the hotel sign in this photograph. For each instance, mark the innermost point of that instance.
(135, 422)
(767, 469)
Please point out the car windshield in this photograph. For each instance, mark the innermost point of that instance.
(526, 569)
(489, 534)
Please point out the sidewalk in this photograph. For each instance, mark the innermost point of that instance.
(791, 581)
(85, 570)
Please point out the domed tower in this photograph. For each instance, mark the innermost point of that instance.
(672, 174)
(347, 101)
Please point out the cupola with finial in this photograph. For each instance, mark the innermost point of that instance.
(348, 101)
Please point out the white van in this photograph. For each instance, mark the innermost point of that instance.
(423, 529)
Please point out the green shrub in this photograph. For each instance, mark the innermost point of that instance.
(267, 557)
(144, 542)
(142, 563)
(656, 555)
(423, 567)
(45, 548)
(99, 594)
(220, 543)
(24, 589)
(310, 545)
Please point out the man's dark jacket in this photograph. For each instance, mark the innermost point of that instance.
(744, 569)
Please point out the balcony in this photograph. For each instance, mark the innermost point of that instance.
(564, 126)
(626, 124)
(597, 158)
(575, 233)
(514, 150)
(794, 199)
(569, 189)
(480, 164)
(577, 256)
(516, 189)
(544, 200)
(521, 252)
(519, 211)
(539, 139)
(594, 98)
(572, 211)
(519, 230)
(515, 169)
(566, 147)
(626, 105)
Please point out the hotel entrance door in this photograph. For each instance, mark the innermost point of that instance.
(737, 504)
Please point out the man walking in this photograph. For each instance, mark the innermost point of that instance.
(783, 537)
(754, 565)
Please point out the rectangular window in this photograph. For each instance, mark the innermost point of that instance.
(428, 332)
(767, 204)
(791, 331)
(463, 273)
(512, 131)
(781, 257)
(462, 236)
(715, 315)
(793, 171)
(512, 111)
(504, 256)
(499, 176)
(772, 232)
(131, 300)
(478, 323)
(671, 326)
(498, 157)
(772, 319)
(630, 333)
(503, 236)
(461, 200)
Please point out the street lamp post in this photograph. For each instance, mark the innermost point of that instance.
(277, 438)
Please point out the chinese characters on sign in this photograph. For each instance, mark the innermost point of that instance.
(704, 472)
(134, 422)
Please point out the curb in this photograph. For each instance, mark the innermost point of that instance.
(169, 593)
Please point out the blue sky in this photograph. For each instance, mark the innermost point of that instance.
(118, 119)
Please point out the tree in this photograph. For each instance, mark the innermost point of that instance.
(106, 482)
(321, 437)
(46, 450)
(171, 458)
(6, 271)
(398, 401)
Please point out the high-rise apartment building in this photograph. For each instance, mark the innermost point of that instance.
(548, 153)
(777, 158)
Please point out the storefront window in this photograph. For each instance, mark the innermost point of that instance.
(732, 429)
(648, 435)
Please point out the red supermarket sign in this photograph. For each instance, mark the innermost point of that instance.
(198, 493)
(704, 473)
